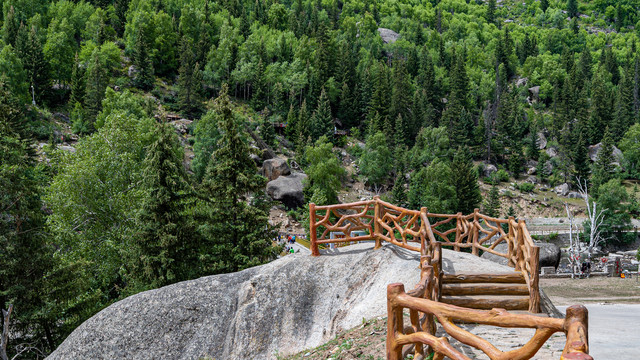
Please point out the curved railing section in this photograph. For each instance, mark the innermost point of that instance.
(420, 337)
(415, 229)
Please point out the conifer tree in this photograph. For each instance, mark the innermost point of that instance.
(292, 124)
(189, 80)
(581, 158)
(11, 27)
(624, 115)
(303, 131)
(492, 204)
(401, 93)
(237, 234)
(400, 132)
(322, 121)
(95, 88)
(544, 5)
(466, 181)
(267, 133)
(572, 8)
(141, 59)
(491, 11)
(603, 168)
(165, 248)
(600, 111)
(29, 48)
(398, 192)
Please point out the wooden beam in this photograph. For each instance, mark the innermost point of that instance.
(515, 303)
(484, 289)
(515, 277)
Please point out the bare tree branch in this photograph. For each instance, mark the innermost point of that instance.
(6, 316)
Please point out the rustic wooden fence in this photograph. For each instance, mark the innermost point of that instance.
(424, 308)
(412, 229)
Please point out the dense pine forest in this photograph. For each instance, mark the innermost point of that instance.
(436, 94)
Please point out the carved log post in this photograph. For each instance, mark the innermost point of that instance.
(458, 226)
(576, 324)
(394, 321)
(475, 231)
(376, 225)
(534, 291)
(423, 233)
(312, 230)
(511, 239)
(519, 244)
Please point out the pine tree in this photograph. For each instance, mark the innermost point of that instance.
(78, 85)
(267, 133)
(491, 11)
(572, 8)
(466, 181)
(165, 248)
(400, 132)
(492, 205)
(292, 124)
(11, 27)
(144, 77)
(398, 192)
(603, 168)
(303, 131)
(322, 121)
(624, 115)
(458, 97)
(189, 80)
(600, 110)
(401, 94)
(96, 85)
(237, 234)
(29, 48)
(581, 158)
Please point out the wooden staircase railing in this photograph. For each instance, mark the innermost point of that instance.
(413, 230)
(424, 308)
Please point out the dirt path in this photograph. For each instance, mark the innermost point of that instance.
(597, 289)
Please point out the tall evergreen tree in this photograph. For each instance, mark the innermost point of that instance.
(165, 249)
(492, 204)
(237, 234)
(95, 88)
(466, 181)
(603, 168)
(189, 80)
(292, 124)
(624, 115)
(544, 5)
(398, 192)
(572, 8)
(581, 158)
(322, 121)
(11, 27)
(29, 49)
(142, 60)
(303, 128)
(491, 11)
(600, 110)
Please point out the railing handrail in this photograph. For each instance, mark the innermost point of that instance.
(474, 231)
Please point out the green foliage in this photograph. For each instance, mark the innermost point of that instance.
(492, 203)
(324, 173)
(526, 187)
(189, 80)
(433, 187)
(376, 162)
(207, 135)
(466, 182)
(603, 168)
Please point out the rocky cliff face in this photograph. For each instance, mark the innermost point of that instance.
(283, 307)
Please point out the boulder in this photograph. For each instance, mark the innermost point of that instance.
(549, 254)
(132, 71)
(574, 195)
(283, 307)
(562, 190)
(532, 179)
(552, 152)
(542, 140)
(288, 190)
(274, 168)
(388, 36)
(531, 171)
(489, 169)
(595, 149)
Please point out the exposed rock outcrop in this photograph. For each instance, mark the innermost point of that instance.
(388, 36)
(288, 190)
(549, 254)
(274, 168)
(595, 149)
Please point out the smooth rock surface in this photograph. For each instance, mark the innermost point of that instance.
(290, 304)
(549, 254)
(595, 149)
(274, 168)
(288, 190)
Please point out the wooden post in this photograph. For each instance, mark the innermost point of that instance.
(457, 241)
(394, 321)
(576, 324)
(423, 234)
(475, 229)
(511, 239)
(534, 292)
(312, 230)
(376, 226)
(519, 244)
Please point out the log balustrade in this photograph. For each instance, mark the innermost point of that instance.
(420, 337)
(414, 230)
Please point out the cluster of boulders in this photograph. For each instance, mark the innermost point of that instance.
(283, 185)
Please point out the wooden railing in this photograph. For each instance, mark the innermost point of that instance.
(424, 308)
(412, 229)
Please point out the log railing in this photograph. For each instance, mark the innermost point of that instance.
(414, 230)
(424, 309)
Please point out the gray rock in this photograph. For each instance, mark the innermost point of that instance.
(274, 168)
(294, 303)
(256, 159)
(552, 152)
(595, 149)
(522, 81)
(67, 148)
(532, 180)
(574, 195)
(542, 140)
(288, 190)
(132, 71)
(388, 36)
(562, 190)
(531, 171)
(489, 169)
(549, 254)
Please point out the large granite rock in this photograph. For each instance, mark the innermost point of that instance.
(549, 254)
(288, 190)
(286, 306)
(562, 190)
(274, 168)
(388, 36)
(595, 149)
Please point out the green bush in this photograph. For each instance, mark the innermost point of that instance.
(502, 175)
(526, 187)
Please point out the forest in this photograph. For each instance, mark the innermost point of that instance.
(461, 86)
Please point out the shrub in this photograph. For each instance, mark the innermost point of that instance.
(526, 187)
